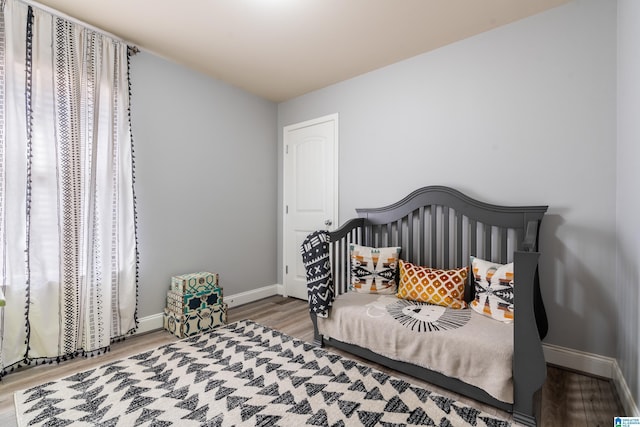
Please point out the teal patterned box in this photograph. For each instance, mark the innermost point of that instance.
(193, 283)
(195, 322)
(183, 303)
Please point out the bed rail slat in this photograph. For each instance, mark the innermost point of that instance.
(346, 267)
(410, 231)
(503, 245)
(421, 249)
(343, 262)
(473, 250)
(335, 266)
(344, 254)
(434, 235)
(373, 238)
(519, 238)
(445, 238)
(459, 242)
(488, 241)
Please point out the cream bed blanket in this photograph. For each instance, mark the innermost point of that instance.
(457, 343)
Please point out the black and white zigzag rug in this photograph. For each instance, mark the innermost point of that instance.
(242, 374)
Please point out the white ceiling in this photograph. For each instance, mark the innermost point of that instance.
(280, 49)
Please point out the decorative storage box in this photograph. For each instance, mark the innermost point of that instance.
(195, 322)
(180, 303)
(194, 304)
(193, 283)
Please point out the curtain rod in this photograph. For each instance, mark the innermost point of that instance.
(62, 15)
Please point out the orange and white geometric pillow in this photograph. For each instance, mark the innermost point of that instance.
(494, 289)
(441, 287)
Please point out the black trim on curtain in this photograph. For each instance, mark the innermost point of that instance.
(29, 122)
(132, 50)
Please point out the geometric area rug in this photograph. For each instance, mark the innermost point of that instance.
(242, 374)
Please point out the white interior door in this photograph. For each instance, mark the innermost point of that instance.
(310, 192)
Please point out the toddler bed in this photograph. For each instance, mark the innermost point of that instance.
(428, 286)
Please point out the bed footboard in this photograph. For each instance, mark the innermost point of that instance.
(529, 366)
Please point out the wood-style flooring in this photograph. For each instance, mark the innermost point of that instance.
(567, 399)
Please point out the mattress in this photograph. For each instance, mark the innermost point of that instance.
(457, 343)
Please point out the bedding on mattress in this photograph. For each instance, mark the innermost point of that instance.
(459, 343)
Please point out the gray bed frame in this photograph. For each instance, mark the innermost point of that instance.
(440, 227)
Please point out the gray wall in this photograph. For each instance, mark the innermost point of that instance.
(628, 195)
(205, 180)
(523, 114)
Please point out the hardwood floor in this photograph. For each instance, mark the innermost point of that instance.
(567, 399)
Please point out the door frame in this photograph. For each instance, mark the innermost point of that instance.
(285, 176)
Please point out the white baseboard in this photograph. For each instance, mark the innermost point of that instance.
(154, 322)
(150, 323)
(626, 397)
(254, 295)
(589, 363)
(594, 364)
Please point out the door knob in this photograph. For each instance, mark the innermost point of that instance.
(328, 223)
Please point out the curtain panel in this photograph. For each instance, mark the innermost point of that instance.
(68, 253)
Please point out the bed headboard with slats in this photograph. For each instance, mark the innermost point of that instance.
(438, 227)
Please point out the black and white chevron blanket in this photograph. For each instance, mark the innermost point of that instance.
(315, 257)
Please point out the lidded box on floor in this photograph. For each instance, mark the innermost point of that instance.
(196, 321)
(183, 303)
(194, 282)
(194, 304)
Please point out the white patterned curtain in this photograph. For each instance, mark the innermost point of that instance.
(68, 255)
